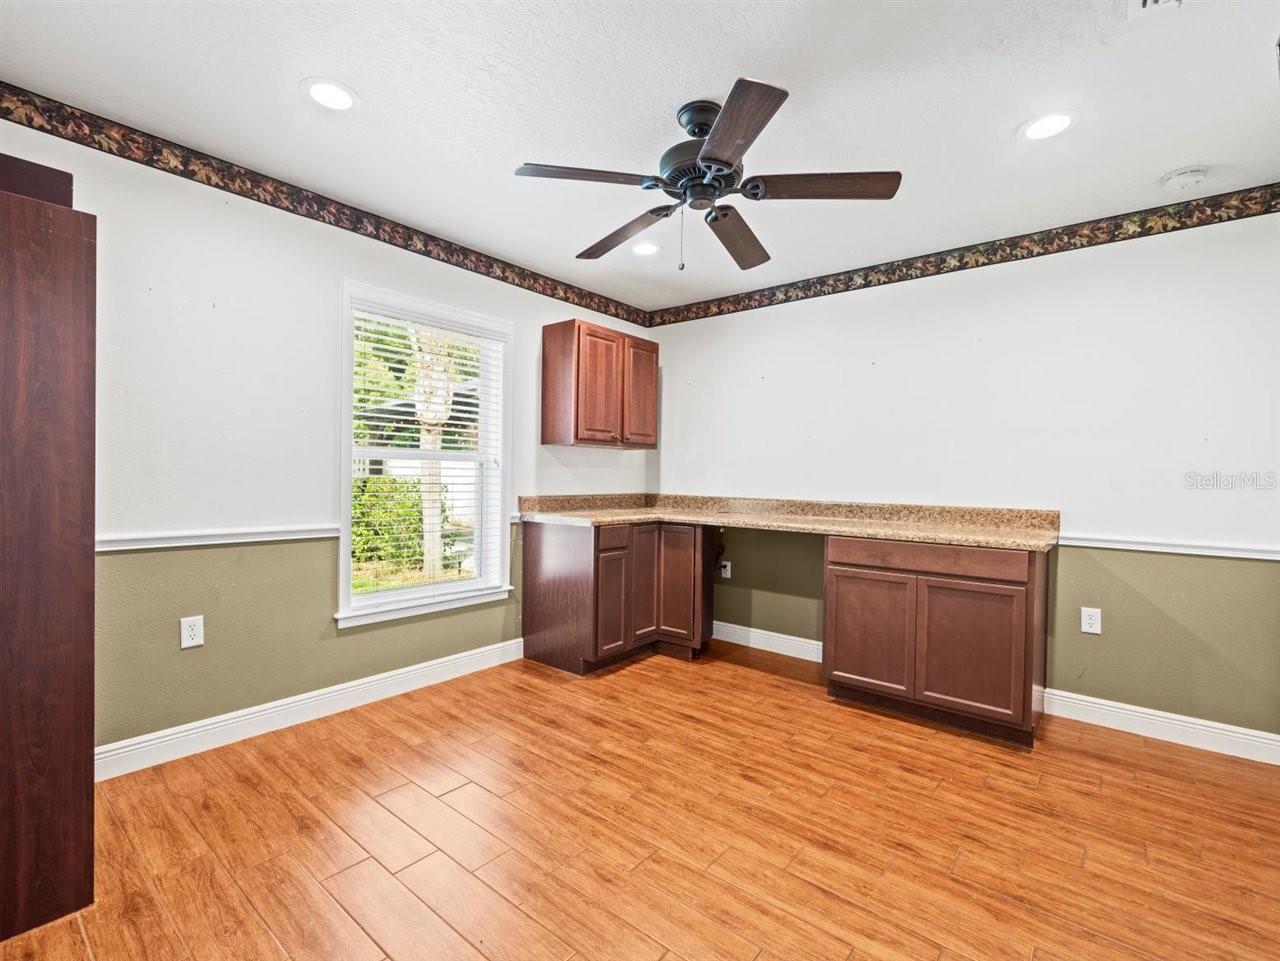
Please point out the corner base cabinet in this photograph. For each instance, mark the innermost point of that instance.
(597, 595)
(946, 632)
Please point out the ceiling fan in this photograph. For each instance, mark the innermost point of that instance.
(702, 171)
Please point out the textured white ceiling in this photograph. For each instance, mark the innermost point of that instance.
(457, 94)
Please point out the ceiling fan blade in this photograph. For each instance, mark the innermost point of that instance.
(627, 231)
(877, 185)
(732, 231)
(585, 173)
(750, 106)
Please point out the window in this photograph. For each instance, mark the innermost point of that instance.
(424, 458)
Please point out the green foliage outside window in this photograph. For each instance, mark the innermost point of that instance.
(413, 391)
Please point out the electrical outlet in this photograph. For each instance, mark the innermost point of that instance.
(726, 569)
(1091, 620)
(192, 632)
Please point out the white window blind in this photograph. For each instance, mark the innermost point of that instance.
(425, 521)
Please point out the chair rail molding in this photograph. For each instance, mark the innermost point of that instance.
(161, 540)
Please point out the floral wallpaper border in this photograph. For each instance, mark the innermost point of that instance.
(1221, 208)
(79, 126)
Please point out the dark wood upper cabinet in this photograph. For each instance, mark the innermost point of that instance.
(677, 563)
(599, 386)
(970, 649)
(640, 393)
(870, 629)
(47, 291)
(644, 582)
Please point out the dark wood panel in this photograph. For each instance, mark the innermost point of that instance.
(559, 360)
(613, 535)
(644, 581)
(613, 601)
(705, 541)
(599, 385)
(1037, 635)
(971, 647)
(1000, 565)
(677, 649)
(869, 631)
(558, 594)
(47, 263)
(640, 393)
(939, 716)
(18, 176)
(676, 577)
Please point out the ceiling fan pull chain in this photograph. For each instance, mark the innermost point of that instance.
(681, 238)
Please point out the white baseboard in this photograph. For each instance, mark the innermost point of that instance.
(1161, 725)
(1179, 728)
(788, 644)
(122, 757)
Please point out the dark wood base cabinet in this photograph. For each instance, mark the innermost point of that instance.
(47, 289)
(948, 633)
(596, 595)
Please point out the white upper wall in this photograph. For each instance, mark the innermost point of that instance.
(1089, 381)
(217, 378)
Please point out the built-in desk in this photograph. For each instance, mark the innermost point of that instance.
(935, 611)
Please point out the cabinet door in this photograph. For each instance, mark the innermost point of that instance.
(613, 601)
(869, 633)
(599, 413)
(644, 582)
(640, 393)
(676, 562)
(971, 639)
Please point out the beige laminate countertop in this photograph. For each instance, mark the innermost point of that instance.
(1008, 529)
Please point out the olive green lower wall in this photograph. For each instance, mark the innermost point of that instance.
(268, 626)
(1193, 635)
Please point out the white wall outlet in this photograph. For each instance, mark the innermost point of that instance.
(192, 632)
(726, 569)
(1091, 620)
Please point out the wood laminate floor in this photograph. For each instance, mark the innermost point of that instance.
(724, 810)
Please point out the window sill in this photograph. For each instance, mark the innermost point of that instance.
(375, 613)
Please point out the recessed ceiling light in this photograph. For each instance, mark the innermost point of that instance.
(330, 93)
(645, 249)
(1050, 125)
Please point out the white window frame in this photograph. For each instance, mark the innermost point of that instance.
(354, 611)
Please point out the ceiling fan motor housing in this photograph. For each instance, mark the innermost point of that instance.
(680, 170)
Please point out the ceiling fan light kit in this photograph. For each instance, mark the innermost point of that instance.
(700, 172)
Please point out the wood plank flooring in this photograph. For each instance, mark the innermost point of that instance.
(724, 810)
